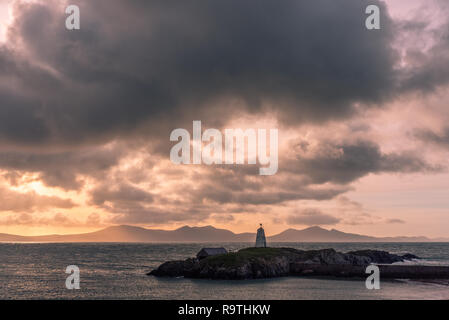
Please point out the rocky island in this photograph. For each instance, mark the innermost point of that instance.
(258, 263)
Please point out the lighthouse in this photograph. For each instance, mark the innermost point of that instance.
(261, 242)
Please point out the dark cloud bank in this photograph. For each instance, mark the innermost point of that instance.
(138, 69)
(139, 62)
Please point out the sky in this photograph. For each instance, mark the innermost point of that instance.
(86, 115)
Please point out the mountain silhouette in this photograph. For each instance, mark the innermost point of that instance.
(137, 234)
(126, 233)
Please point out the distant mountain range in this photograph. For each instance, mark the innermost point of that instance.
(207, 234)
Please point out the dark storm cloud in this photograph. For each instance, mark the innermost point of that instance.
(138, 69)
(147, 214)
(121, 193)
(438, 139)
(138, 62)
(345, 163)
(312, 217)
(275, 195)
(130, 204)
(223, 218)
(428, 69)
(339, 164)
(61, 169)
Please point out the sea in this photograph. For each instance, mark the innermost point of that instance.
(118, 271)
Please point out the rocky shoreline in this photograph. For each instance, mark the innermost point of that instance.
(258, 263)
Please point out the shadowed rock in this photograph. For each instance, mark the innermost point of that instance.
(382, 256)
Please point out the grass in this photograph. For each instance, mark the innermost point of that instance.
(243, 256)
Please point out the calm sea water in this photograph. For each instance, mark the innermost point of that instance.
(118, 271)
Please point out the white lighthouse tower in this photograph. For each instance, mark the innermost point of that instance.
(261, 242)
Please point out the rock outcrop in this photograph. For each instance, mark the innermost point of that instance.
(382, 256)
(256, 263)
